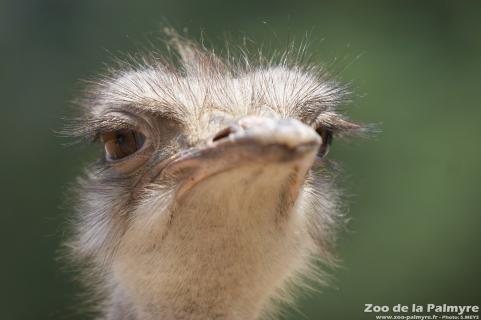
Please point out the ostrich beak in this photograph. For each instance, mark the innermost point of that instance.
(253, 141)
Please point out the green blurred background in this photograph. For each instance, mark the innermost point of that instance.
(416, 187)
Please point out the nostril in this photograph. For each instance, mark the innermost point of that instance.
(224, 133)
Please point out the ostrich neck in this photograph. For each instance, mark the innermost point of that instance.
(225, 253)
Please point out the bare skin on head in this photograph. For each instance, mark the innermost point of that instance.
(213, 196)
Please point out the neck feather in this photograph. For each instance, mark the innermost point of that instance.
(228, 250)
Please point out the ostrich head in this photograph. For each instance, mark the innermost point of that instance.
(212, 195)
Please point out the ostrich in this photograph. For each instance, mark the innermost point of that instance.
(213, 196)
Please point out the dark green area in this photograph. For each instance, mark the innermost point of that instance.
(415, 229)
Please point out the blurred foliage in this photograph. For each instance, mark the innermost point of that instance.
(414, 235)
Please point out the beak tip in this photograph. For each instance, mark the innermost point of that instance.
(289, 132)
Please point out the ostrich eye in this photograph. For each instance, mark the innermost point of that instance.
(122, 143)
(326, 136)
